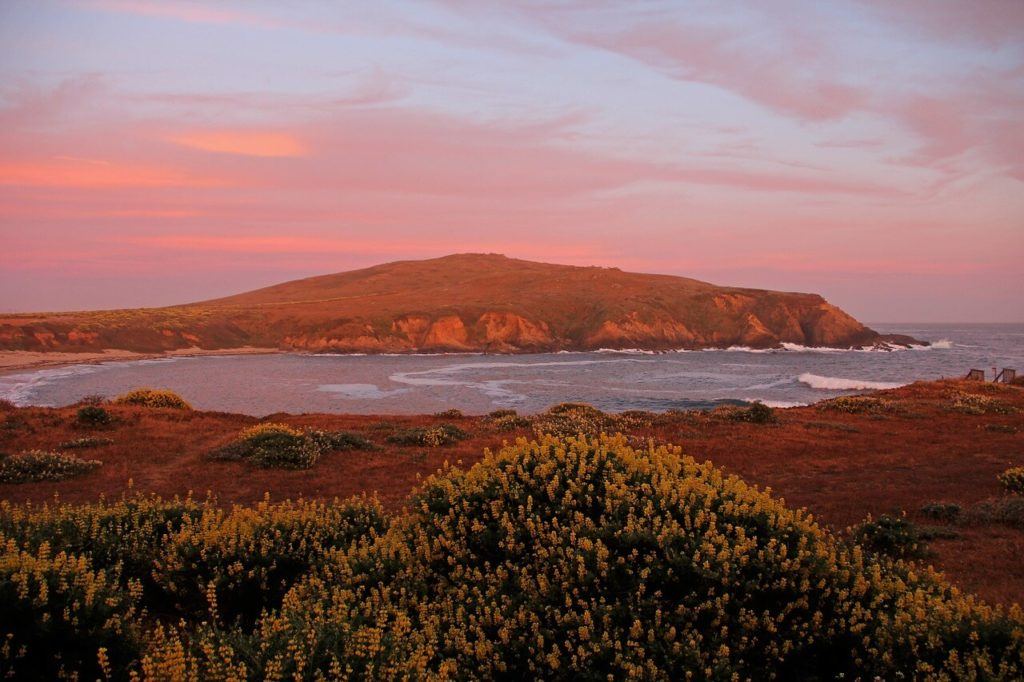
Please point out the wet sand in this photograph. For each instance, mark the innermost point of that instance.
(15, 360)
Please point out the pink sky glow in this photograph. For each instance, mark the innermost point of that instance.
(154, 153)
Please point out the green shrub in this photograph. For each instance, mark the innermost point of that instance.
(452, 413)
(509, 422)
(245, 560)
(974, 404)
(757, 413)
(84, 443)
(273, 446)
(92, 415)
(1007, 510)
(38, 465)
(149, 397)
(61, 619)
(1013, 480)
(942, 511)
(572, 419)
(498, 414)
(574, 559)
(856, 404)
(341, 441)
(7, 406)
(893, 536)
(432, 436)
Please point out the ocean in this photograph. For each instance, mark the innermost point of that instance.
(610, 380)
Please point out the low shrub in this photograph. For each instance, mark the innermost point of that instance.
(84, 443)
(245, 560)
(757, 413)
(942, 511)
(509, 422)
(432, 436)
(62, 619)
(632, 420)
(974, 404)
(452, 413)
(7, 406)
(1007, 510)
(1001, 428)
(149, 397)
(272, 446)
(499, 414)
(1012, 480)
(572, 419)
(342, 441)
(92, 399)
(92, 415)
(39, 465)
(856, 404)
(893, 536)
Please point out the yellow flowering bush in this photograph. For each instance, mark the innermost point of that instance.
(579, 559)
(151, 397)
(39, 465)
(62, 619)
(243, 560)
(1013, 480)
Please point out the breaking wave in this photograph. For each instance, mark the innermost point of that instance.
(842, 384)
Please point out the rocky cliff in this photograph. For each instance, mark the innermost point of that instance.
(467, 302)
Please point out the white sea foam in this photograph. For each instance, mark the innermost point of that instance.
(360, 391)
(843, 384)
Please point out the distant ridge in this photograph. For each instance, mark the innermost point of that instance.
(462, 302)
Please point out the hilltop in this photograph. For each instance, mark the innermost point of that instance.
(459, 303)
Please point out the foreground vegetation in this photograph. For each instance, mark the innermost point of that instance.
(557, 557)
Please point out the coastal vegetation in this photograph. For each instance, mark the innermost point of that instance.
(39, 465)
(553, 557)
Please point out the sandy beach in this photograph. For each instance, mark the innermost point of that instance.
(15, 360)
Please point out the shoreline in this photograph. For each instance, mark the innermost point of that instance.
(12, 361)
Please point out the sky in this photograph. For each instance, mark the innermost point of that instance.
(154, 153)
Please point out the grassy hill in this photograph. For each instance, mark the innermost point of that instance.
(464, 302)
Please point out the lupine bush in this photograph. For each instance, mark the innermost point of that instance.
(1013, 480)
(891, 535)
(585, 559)
(431, 436)
(341, 441)
(151, 397)
(39, 465)
(60, 618)
(130, 533)
(242, 561)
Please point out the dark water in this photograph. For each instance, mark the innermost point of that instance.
(380, 384)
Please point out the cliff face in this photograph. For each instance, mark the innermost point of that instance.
(457, 303)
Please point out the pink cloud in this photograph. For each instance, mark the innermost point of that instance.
(243, 142)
